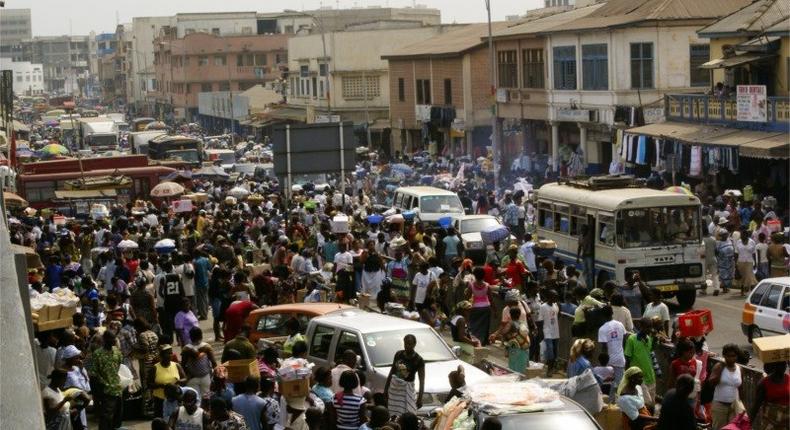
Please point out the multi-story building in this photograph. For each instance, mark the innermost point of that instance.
(341, 75)
(66, 61)
(204, 62)
(440, 92)
(28, 77)
(15, 26)
(567, 81)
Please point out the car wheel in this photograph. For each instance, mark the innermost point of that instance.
(686, 299)
(754, 332)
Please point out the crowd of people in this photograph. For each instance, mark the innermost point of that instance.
(141, 308)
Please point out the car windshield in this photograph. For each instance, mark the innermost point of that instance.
(646, 227)
(227, 158)
(434, 204)
(575, 419)
(382, 346)
(476, 225)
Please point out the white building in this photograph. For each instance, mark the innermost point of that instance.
(28, 77)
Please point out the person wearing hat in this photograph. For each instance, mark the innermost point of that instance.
(76, 377)
(296, 417)
(459, 328)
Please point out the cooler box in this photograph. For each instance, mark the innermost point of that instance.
(339, 224)
(698, 322)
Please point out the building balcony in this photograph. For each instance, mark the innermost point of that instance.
(709, 109)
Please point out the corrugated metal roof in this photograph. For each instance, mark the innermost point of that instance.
(452, 42)
(754, 18)
(736, 60)
(540, 24)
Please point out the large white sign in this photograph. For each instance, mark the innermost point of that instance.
(752, 103)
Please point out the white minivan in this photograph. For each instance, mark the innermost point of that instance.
(429, 203)
(767, 309)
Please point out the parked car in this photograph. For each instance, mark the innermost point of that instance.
(270, 321)
(470, 226)
(767, 309)
(375, 338)
(568, 416)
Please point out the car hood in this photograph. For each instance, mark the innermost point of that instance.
(436, 373)
(472, 237)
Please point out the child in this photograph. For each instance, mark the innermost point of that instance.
(172, 401)
(604, 373)
(323, 384)
(549, 315)
(191, 415)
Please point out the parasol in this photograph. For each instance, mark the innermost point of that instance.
(127, 244)
(211, 172)
(54, 149)
(167, 189)
(165, 246)
(679, 190)
(14, 200)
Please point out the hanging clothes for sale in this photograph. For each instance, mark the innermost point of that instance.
(641, 150)
(695, 164)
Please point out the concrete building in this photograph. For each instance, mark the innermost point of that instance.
(341, 75)
(568, 81)
(28, 77)
(448, 74)
(202, 62)
(15, 26)
(66, 61)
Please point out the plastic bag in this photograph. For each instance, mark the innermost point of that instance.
(125, 375)
(740, 422)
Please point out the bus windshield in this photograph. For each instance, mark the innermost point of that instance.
(646, 227)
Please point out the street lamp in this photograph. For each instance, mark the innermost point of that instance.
(494, 109)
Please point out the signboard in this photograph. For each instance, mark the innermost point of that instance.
(313, 148)
(752, 103)
(325, 119)
(501, 95)
(654, 115)
(575, 115)
(182, 206)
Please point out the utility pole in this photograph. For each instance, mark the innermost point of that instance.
(494, 107)
(367, 111)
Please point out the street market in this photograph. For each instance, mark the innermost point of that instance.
(169, 269)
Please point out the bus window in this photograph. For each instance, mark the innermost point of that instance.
(606, 230)
(545, 216)
(398, 200)
(562, 219)
(578, 219)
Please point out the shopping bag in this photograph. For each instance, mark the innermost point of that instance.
(740, 422)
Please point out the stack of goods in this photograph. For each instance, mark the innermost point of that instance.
(294, 377)
(545, 248)
(51, 311)
(498, 397)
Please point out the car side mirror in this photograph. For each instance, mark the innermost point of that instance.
(456, 351)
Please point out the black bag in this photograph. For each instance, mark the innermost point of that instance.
(595, 318)
(706, 393)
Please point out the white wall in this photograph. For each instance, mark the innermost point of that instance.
(28, 77)
(144, 30)
(226, 23)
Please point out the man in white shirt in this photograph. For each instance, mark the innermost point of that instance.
(548, 315)
(528, 253)
(611, 335)
(187, 272)
(422, 281)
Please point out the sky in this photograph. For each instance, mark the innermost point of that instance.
(58, 17)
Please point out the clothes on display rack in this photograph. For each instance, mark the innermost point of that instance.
(690, 159)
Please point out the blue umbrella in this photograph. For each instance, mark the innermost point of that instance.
(494, 233)
(402, 168)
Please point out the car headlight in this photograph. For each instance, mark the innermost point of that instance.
(475, 245)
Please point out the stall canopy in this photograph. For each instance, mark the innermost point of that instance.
(753, 144)
(85, 194)
(736, 60)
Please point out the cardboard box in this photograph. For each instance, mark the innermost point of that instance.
(535, 370)
(52, 324)
(239, 370)
(363, 300)
(295, 388)
(610, 418)
(772, 349)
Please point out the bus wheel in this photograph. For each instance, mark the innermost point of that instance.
(686, 299)
(601, 279)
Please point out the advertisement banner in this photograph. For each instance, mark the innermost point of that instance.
(182, 206)
(752, 103)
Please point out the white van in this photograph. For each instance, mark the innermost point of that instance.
(430, 203)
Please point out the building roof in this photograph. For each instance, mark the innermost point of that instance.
(758, 17)
(617, 13)
(452, 42)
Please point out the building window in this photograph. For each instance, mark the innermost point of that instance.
(565, 68)
(532, 62)
(219, 60)
(205, 88)
(595, 70)
(215, 31)
(699, 55)
(322, 69)
(353, 87)
(203, 60)
(508, 69)
(224, 86)
(448, 91)
(401, 90)
(641, 65)
(321, 89)
(303, 71)
(423, 91)
(260, 59)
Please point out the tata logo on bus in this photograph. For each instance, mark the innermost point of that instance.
(664, 259)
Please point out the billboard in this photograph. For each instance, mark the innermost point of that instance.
(313, 148)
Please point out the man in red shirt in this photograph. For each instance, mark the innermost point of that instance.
(235, 315)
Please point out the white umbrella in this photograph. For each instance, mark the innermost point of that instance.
(239, 192)
(127, 244)
(167, 189)
(165, 246)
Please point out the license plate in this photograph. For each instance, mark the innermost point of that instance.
(668, 288)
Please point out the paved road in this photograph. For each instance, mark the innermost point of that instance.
(726, 310)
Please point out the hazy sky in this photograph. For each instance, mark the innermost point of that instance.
(56, 17)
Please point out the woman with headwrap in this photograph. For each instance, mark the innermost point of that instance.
(631, 401)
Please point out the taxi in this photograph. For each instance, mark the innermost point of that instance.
(766, 311)
(271, 321)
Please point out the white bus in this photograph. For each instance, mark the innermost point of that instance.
(656, 233)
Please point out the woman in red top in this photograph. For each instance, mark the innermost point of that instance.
(773, 398)
(685, 363)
